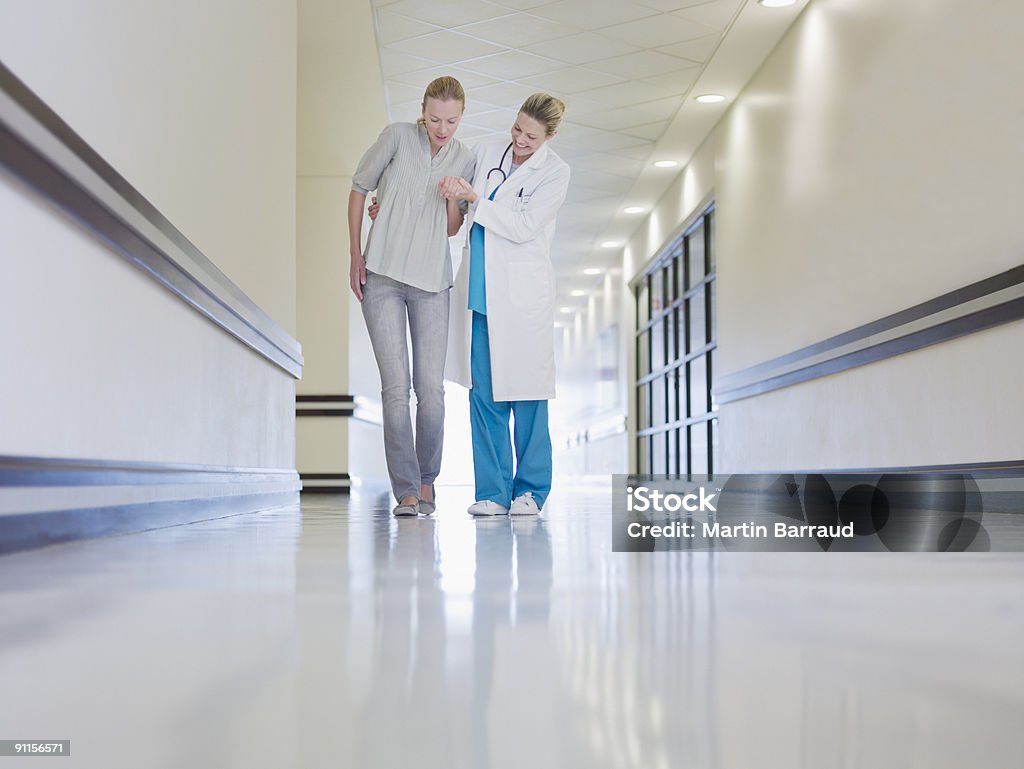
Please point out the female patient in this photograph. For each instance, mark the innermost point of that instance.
(403, 280)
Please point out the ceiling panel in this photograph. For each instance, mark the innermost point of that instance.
(393, 26)
(521, 29)
(696, 50)
(448, 13)
(718, 13)
(634, 92)
(511, 65)
(449, 46)
(582, 48)
(571, 80)
(642, 64)
(655, 31)
(673, 5)
(593, 14)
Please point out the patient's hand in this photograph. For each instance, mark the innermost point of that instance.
(456, 188)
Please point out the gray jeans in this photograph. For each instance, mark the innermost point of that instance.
(387, 304)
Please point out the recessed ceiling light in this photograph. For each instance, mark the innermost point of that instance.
(566, 310)
(633, 209)
(776, 3)
(611, 244)
(578, 292)
(666, 164)
(592, 271)
(710, 98)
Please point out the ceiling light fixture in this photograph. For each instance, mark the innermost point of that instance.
(776, 3)
(710, 98)
(665, 164)
(566, 310)
(633, 209)
(592, 271)
(578, 292)
(611, 244)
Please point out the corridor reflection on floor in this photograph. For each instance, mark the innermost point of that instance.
(338, 636)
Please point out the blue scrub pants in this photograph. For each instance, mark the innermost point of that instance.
(492, 446)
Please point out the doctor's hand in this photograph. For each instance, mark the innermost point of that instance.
(456, 188)
(374, 209)
(357, 274)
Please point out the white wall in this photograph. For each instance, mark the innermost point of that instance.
(872, 163)
(194, 104)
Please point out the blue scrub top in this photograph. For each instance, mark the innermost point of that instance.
(477, 287)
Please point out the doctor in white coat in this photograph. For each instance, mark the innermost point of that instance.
(501, 340)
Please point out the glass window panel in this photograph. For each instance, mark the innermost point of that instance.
(659, 456)
(695, 321)
(643, 454)
(670, 336)
(643, 406)
(673, 452)
(714, 447)
(713, 310)
(712, 373)
(699, 448)
(657, 292)
(657, 345)
(666, 282)
(643, 354)
(676, 395)
(695, 256)
(709, 222)
(698, 386)
(642, 297)
(679, 258)
(673, 280)
(658, 402)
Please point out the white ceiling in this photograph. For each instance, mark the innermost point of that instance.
(627, 69)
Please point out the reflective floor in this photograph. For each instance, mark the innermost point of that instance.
(338, 636)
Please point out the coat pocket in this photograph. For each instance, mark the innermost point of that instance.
(529, 284)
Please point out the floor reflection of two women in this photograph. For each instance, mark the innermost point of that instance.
(434, 672)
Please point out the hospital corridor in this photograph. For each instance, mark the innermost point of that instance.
(479, 384)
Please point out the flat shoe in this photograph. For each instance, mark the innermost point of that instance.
(428, 507)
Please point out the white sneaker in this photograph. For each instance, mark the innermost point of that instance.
(524, 505)
(487, 507)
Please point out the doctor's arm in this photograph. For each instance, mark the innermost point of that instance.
(527, 222)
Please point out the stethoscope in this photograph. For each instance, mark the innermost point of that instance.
(504, 176)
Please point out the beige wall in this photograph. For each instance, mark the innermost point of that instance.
(340, 113)
(194, 104)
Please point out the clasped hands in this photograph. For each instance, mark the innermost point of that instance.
(456, 188)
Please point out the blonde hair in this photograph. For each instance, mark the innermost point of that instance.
(445, 88)
(545, 109)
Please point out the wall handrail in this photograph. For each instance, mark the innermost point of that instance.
(39, 148)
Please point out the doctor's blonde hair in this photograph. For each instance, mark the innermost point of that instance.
(445, 88)
(545, 109)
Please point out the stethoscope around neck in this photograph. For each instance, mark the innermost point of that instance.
(504, 176)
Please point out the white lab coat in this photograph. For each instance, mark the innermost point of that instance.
(520, 279)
